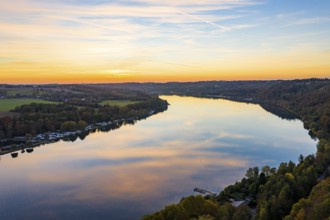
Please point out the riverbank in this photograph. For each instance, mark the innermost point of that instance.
(21, 142)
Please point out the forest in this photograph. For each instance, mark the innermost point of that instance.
(73, 108)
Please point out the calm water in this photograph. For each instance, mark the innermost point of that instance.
(137, 169)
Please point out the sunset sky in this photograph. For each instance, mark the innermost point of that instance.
(77, 41)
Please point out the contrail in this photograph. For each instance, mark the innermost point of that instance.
(205, 21)
(221, 27)
(90, 23)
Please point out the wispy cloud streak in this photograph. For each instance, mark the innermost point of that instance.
(154, 36)
(308, 21)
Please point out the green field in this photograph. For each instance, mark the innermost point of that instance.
(19, 91)
(119, 103)
(9, 104)
(23, 92)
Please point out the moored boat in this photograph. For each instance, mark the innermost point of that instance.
(14, 155)
(29, 150)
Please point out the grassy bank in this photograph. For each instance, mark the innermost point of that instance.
(119, 103)
(10, 104)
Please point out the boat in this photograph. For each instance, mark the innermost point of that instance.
(29, 150)
(14, 155)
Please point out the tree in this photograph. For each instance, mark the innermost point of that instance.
(242, 213)
(81, 125)
(174, 212)
(301, 158)
(252, 173)
(266, 170)
(68, 126)
(226, 212)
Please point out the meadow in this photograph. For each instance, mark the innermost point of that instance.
(119, 103)
(19, 91)
(10, 104)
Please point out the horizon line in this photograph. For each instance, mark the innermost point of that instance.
(155, 82)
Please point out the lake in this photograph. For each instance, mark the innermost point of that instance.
(138, 169)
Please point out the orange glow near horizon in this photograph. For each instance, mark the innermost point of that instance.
(156, 41)
(60, 76)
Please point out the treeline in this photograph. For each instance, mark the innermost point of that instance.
(279, 111)
(90, 95)
(274, 191)
(316, 206)
(39, 118)
(309, 99)
(196, 207)
(75, 94)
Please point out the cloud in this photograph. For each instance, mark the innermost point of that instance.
(228, 3)
(111, 12)
(5, 60)
(158, 36)
(129, 28)
(288, 15)
(234, 136)
(308, 21)
(118, 73)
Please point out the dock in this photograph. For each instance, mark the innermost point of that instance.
(204, 192)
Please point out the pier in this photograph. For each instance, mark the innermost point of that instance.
(205, 192)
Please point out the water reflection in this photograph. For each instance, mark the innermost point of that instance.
(138, 169)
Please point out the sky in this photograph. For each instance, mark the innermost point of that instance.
(101, 41)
